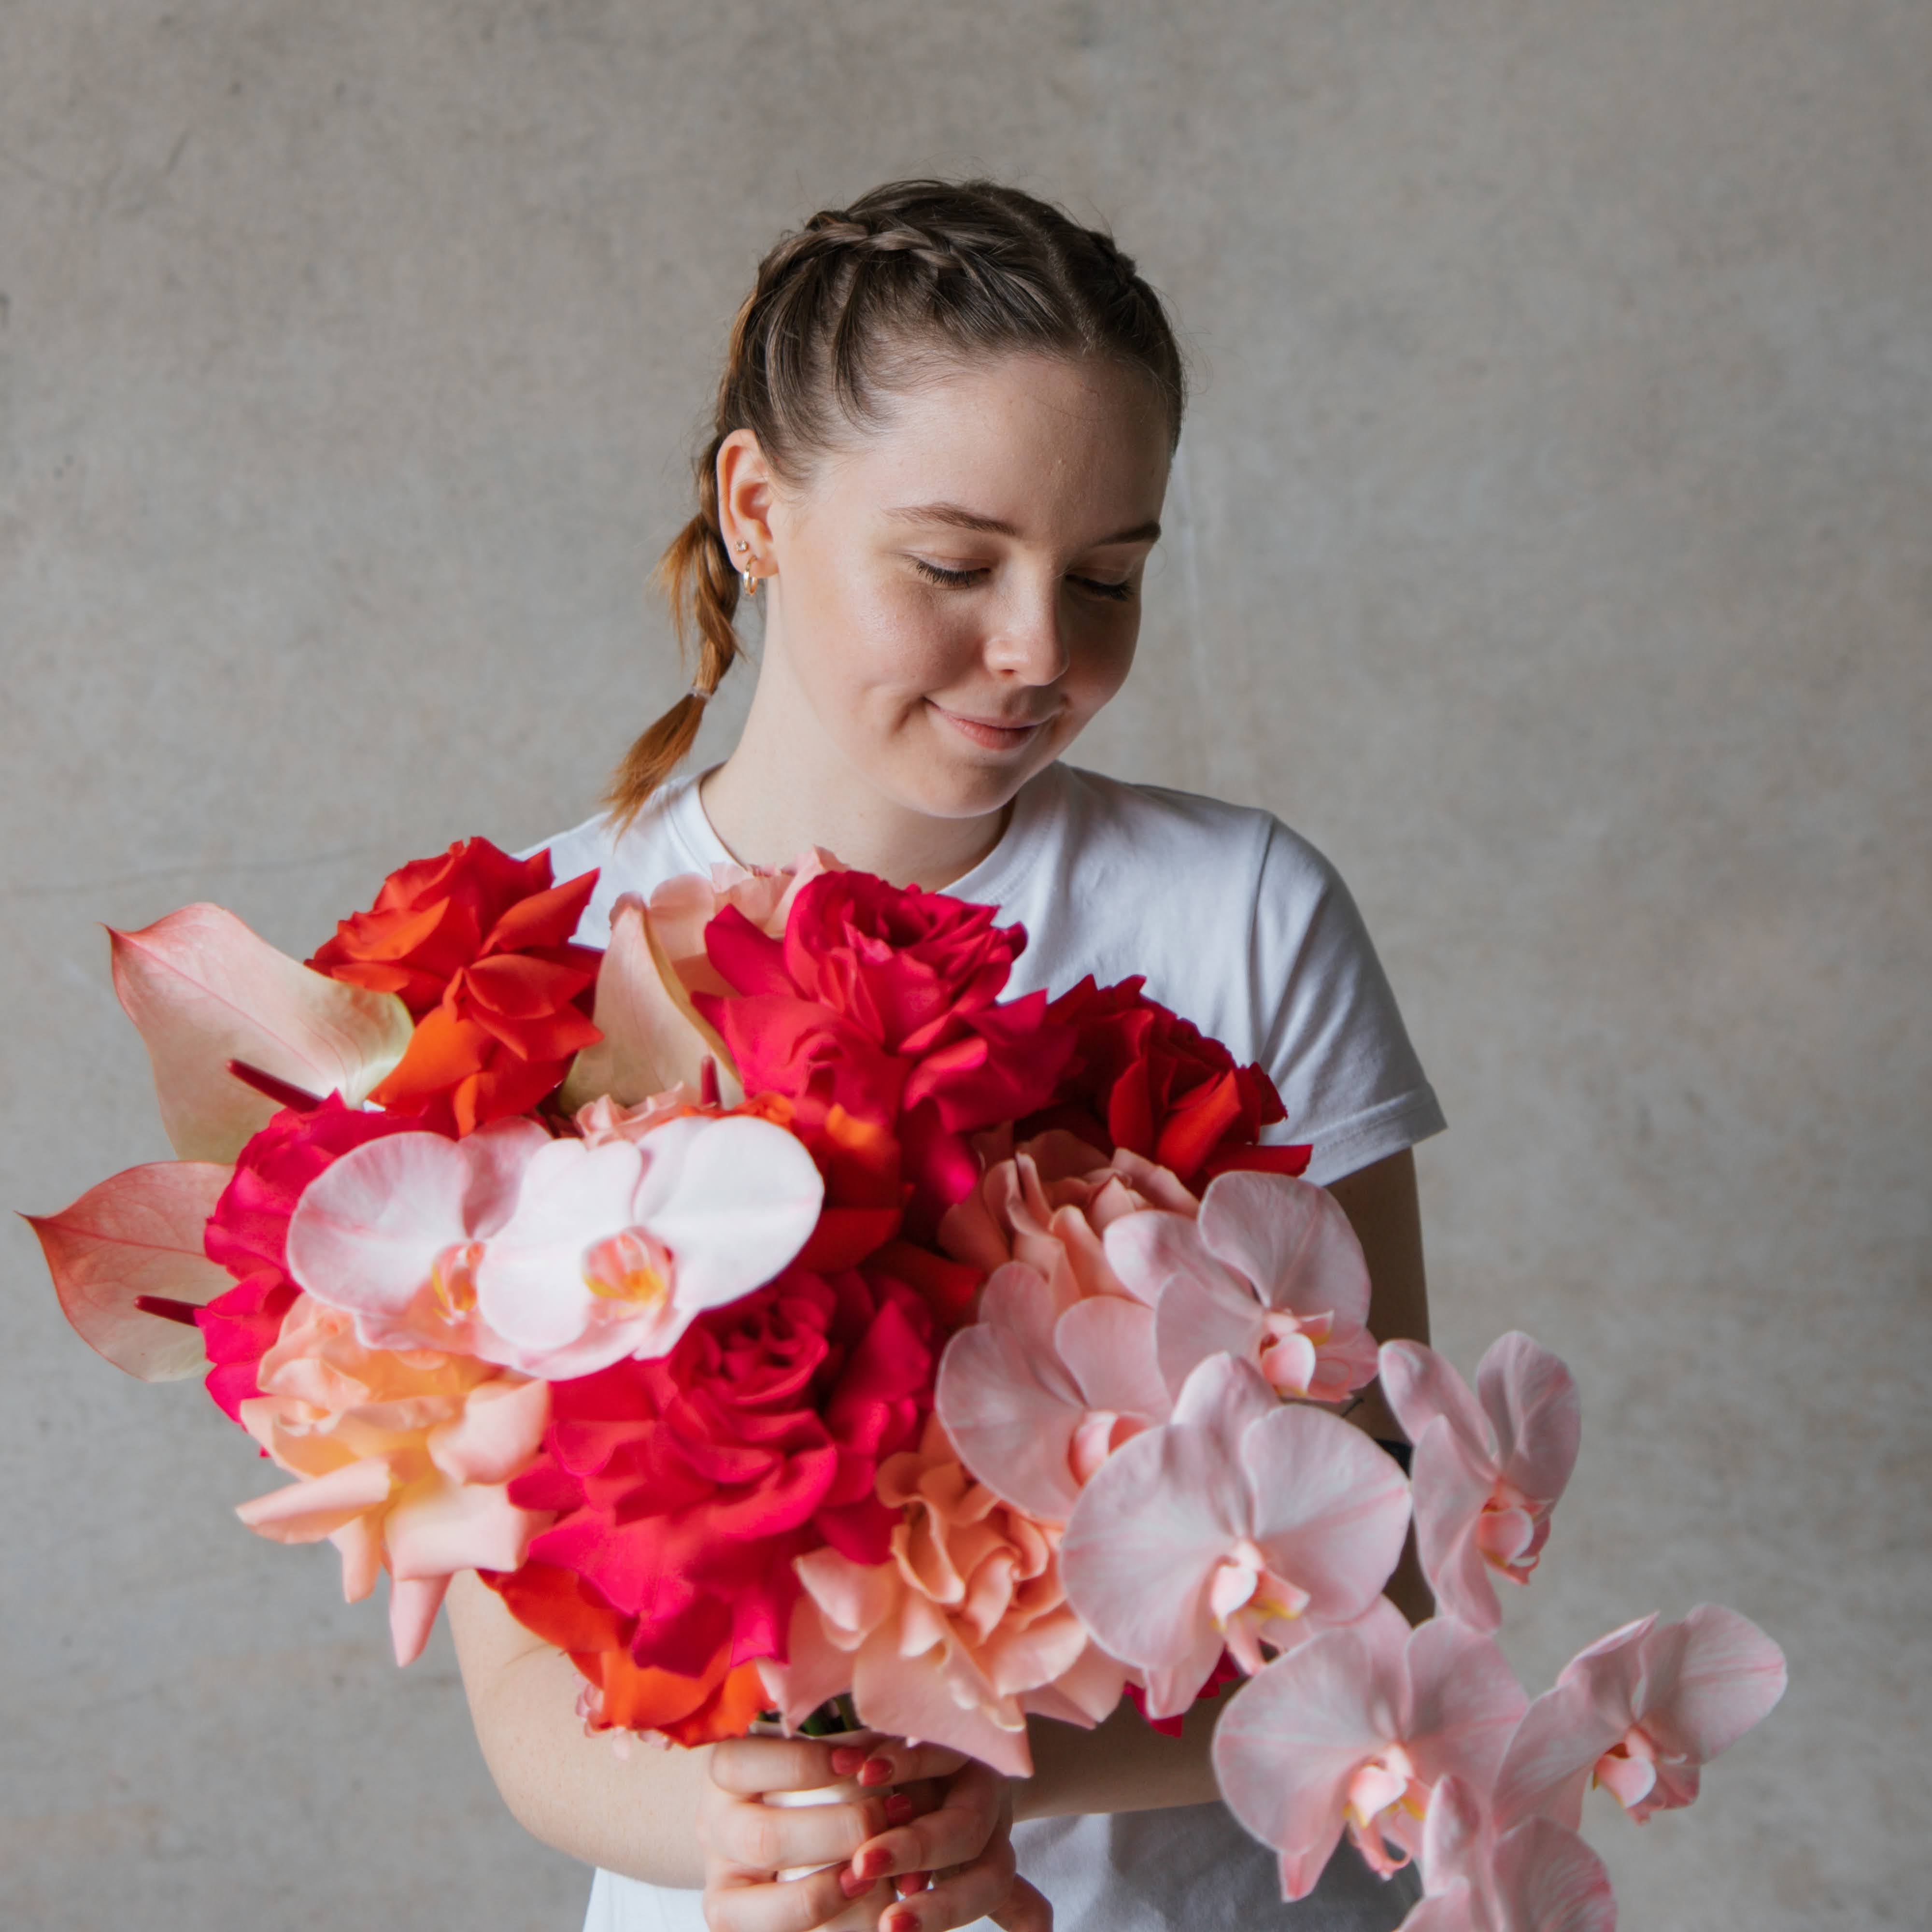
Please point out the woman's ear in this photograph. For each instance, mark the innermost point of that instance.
(744, 499)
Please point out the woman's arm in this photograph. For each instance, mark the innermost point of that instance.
(636, 1814)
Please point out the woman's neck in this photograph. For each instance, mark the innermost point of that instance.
(787, 786)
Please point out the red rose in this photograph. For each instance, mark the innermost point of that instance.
(1157, 1084)
(880, 1000)
(477, 946)
(248, 1234)
(688, 1484)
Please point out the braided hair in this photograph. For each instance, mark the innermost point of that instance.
(968, 269)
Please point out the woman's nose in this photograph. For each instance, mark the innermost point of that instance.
(1029, 644)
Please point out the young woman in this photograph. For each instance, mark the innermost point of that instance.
(941, 447)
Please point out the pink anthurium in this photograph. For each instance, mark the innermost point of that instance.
(1045, 1385)
(1354, 1730)
(1243, 1521)
(135, 1239)
(653, 1038)
(1489, 1466)
(1270, 1271)
(1536, 1877)
(554, 1258)
(1641, 1710)
(204, 990)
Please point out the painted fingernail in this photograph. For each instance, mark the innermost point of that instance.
(876, 1770)
(899, 1808)
(847, 1759)
(871, 1862)
(851, 1884)
(899, 1921)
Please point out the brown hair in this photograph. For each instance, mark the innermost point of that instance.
(971, 268)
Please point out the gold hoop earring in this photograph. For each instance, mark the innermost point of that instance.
(750, 582)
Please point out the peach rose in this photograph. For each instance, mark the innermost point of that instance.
(402, 1458)
(1049, 1203)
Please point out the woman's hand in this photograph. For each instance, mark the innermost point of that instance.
(919, 1819)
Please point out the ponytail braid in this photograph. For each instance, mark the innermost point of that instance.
(973, 268)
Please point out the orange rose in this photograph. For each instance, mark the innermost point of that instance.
(477, 946)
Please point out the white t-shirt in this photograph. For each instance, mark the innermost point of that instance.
(1244, 928)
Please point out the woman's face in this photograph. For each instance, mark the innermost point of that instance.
(957, 594)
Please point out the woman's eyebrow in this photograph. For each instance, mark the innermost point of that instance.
(961, 518)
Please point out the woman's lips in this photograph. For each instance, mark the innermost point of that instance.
(990, 734)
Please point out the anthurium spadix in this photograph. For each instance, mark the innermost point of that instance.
(1243, 1521)
(128, 1267)
(1489, 1466)
(204, 990)
(553, 1257)
(654, 1038)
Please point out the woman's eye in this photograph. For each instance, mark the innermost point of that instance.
(1120, 592)
(937, 573)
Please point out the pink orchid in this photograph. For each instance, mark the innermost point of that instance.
(554, 1258)
(1049, 1202)
(1536, 1877)
(1270, 1271)
(128, 1265)
(1355, 1728)
(1641, 1710)
(1489, 1467)
(203, 990)
(962, 1633)
(1045, 1385)
(1243, 1521)
(403, 1461)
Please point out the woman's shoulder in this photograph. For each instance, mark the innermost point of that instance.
(656, 845)
(1207, 844)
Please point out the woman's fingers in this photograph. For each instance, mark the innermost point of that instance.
(772, 1837)
(742, 1901)
(1026, 1910)
(988, 1884)
(954, 1833)
(893, 1761)
(749, 1766)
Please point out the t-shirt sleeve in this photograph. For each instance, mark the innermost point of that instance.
(1336, 1045)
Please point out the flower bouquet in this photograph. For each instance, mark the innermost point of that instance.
(773, 1314)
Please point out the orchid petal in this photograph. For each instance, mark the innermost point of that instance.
(1107, 1343)
(1530, 1398)
(1708, 1680)
(1421, 1385)
(437, 1528)
(1465, 1703)
(1548, 1880)
(1225, 1395)
(367, 1231)
(531, 1287)
(734, 1199)
(1143, 1540)
(1293, 1736)
(1291, 1240)
(1330, 1508)
(1450, 1487)
(138, 1234)
(1011, 1413)
(204, 990)
(1149, 1249)
(1196, 1318)
(1546, 1768)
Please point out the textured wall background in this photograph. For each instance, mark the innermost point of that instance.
(1553, 544)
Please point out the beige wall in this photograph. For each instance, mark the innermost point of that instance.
(1553, 544)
